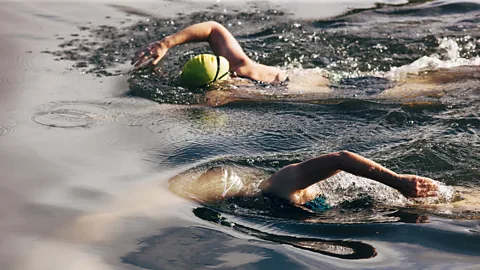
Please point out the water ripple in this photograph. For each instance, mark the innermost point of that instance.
(72, 115)
(8, 127)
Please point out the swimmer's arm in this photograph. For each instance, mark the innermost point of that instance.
(297, 177)
(222, 43)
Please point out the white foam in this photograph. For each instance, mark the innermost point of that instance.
(449, 58)
(344, 187)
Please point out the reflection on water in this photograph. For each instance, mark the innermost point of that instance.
(339, 249)
(197, 247)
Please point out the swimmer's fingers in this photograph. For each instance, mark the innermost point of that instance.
(426, 188)
(140, 54)
(147, 51)
(142, 60)
(156, 60)
(427, 184)
(153, 51)
(416, 186)
(426, 193)
(137, 61)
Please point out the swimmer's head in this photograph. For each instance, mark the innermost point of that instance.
(217, 183)
(204, 69)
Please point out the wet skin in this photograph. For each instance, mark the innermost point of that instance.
(222, 43)
(293, 182)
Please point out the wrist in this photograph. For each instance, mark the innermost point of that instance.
(396, 181)
(166, 42)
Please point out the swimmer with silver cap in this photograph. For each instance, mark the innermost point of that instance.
(296, 182)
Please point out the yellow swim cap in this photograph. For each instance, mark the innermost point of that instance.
(204, 69)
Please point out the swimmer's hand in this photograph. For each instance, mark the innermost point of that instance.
(153, 52)
(414, 186)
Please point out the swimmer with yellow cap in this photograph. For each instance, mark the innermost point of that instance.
(202, 69)
(224, 45)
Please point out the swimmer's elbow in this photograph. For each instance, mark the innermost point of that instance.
(344, 155)
(206, 29)
(214, 26)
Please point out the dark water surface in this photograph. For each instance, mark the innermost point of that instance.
(87, 146)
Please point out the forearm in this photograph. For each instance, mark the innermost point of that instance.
(194, 33)
(324, 166)
(221, 41)
(360, 166)
(291, 182)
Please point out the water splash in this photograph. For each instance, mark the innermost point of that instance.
(344, 187)
(449, 57)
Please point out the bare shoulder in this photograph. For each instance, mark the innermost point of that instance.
(282, 183)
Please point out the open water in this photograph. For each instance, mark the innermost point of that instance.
(95, 156)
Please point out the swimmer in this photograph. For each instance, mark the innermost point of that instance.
(222, 43)
(295, 182)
